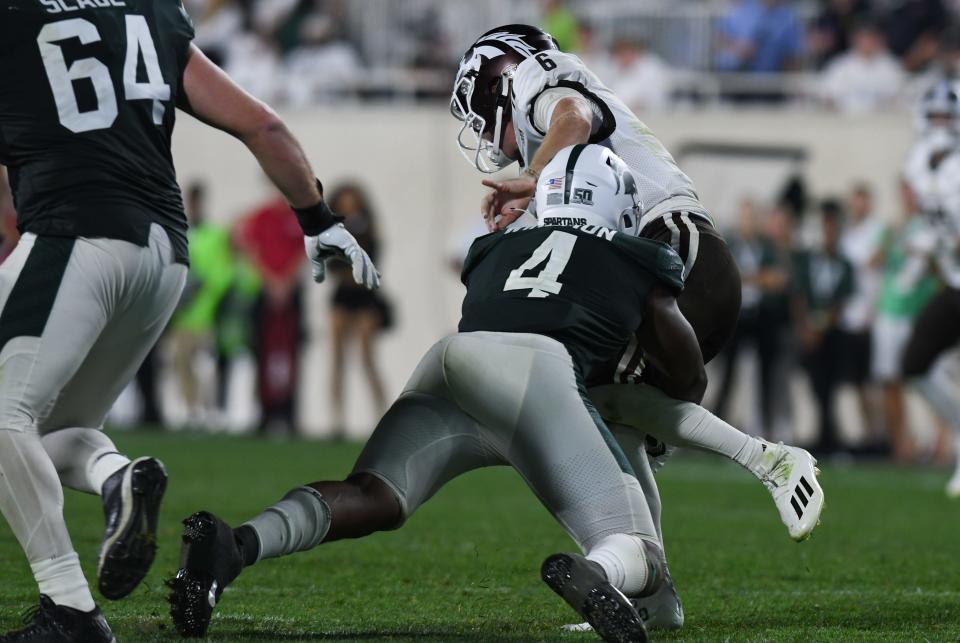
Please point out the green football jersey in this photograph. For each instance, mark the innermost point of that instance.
(584, 286)
(87, 106)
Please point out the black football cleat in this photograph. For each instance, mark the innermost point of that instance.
(583, 585)
(52, 623)
(131, 505)
(210, 559)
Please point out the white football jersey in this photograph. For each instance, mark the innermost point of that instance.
(662, 186)
(934, 178)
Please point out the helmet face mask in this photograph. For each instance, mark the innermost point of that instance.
(475, 139)
(481, 98)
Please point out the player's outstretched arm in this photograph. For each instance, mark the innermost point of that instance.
(670, 344)
(211, 96)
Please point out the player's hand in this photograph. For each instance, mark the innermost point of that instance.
(336, 244)
(508, 199)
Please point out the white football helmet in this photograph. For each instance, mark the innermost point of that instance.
(588, 185)
(938, 115)
(481, 91)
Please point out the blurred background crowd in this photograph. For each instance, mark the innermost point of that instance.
(850, 55)
(832, 278)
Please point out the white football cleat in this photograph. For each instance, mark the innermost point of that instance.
(661, 611)
(953, 487)
(790, 475)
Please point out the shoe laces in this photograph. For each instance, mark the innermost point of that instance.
(779, 473)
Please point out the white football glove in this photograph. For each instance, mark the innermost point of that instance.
(336, 244)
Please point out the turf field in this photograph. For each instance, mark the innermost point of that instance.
(882, 566)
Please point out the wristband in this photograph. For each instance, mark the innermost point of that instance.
(529, 171)
(316, 218)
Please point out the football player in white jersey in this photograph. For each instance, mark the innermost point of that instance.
(521, 99)
(932, 172)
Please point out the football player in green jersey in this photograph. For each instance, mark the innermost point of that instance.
(545, 306)
(87, 108)
(519, 98)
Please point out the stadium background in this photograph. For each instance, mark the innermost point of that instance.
(883, 564)
(427, 198)
(365, 85)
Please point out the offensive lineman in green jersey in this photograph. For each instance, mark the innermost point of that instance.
(87, 108)
(544, 307)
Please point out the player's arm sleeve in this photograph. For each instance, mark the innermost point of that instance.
(181, 26)
(671, 346)
(545, 104)
(536, 92)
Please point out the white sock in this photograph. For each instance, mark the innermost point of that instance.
(625, 562)
(681, 424)
(31, 499)
(62, 580)
(103, 465)
(298, 522)
(84, 458)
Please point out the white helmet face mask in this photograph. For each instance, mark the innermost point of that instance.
(480, 152)
(588, 185)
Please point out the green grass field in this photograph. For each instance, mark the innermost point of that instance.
(882, 566)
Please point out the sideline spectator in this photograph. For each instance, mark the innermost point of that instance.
(754, 256)
(866, 78)
(945, 67)
(357, 315)
(192, 328)
(830, 32)
(591, 52)
(640, 78)
(824, 282)
(760, 36)
(322, 67)
(561, 23)
(776, 317)
(912, 30)
(860, 245)
(274, 242)
(907, 285)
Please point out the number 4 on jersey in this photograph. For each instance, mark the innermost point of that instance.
(139, 46)
(558, 246)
